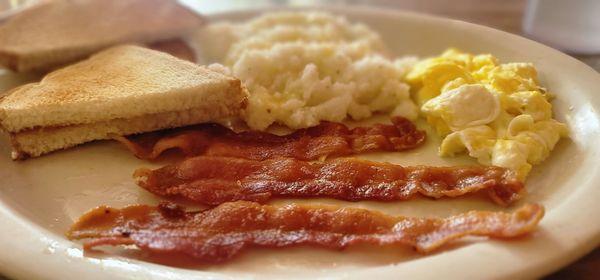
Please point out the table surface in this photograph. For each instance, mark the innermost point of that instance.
(506, 15)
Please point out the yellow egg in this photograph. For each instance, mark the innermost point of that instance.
(523, 70)
(512, 77)
(518, 124)
(532, 103)
(415, 76)
(478, 141)
(511, 154)
(483, 61)
(436, 76)
(454, 84)
(458, 57)
(536, 150)
(440, 126)
(551, 131)
(425, 93)
(508, 122)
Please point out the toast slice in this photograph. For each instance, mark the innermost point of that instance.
(119, 91)
(59, 32)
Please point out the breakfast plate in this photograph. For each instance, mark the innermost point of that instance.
(40, 198)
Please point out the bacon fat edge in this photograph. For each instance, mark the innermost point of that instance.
(220, 233)
(325, 140)
(214, 180)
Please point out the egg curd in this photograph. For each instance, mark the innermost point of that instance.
(302, 68)
(497, 113)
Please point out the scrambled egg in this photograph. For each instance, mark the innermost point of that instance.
(305, 67)
(497, 113)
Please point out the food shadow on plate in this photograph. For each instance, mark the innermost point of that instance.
(301, 256)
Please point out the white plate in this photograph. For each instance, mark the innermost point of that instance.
(41, 197)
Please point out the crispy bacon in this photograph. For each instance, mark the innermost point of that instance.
(218, 234)
(214, 180)
(326, 139)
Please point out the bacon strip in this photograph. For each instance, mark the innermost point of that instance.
(218, 234)
(214, 180)
(326, 139)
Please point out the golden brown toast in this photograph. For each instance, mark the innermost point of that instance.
(122, 90)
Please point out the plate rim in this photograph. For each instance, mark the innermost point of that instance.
(16, 261)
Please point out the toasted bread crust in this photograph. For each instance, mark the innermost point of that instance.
(39, 141)
(121, 82)
(58, 32)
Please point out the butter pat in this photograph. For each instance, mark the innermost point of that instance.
(465, 106)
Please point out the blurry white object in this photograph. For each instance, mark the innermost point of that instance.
(572, 26)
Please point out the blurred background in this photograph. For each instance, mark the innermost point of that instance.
(571, 26)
